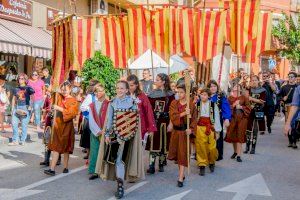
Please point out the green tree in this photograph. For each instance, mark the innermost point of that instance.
(102, 69)
(287, 32)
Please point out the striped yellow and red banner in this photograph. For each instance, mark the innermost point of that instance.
(241, 23)
(263, 40)
(114, 39)
(62, 51)
(182, 31)
(83, 41)
(210, 34)
(148, 29)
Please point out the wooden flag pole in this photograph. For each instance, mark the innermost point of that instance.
(187, 80)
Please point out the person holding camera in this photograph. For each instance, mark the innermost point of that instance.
(22, 95)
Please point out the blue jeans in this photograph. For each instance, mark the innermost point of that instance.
(37, 106)
(24, 124)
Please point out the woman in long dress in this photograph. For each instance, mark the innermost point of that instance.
(63, 135)
(236, 132)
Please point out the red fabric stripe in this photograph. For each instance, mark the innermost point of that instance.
(88, 38)
(144, 31)
(216, 34)
(107, 45)
(228, 26)
(114, 36)
(162, 34)
(62, 74)
(242, 21)
(124, 114)
(191, 32)
(54, 36)
(253, 51)
(264, 32)
(123, 42)
(80, 42)
(174, 22)
(181, 31)
(206, 32)
(153, 33)
(236, 26)
(135, 32)
(251, 19)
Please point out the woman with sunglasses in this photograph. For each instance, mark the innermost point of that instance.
(38, 98)
(20, 103)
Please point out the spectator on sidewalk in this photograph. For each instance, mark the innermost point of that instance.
(38, 98)
(147, 83)
(46, 76)
(20, 109)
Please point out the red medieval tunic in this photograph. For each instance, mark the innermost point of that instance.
(159, 143)
(236, 132)
(146, 115)
(178, 143)
(63, 137)
(258, 94)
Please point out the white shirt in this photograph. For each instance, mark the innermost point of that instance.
(85, 105)
(95, 129)
(205, 112)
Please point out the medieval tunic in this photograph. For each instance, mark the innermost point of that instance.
(122, 159)
(208, 125)
(146, 114)
(178, 143)
(158, 145)
(236, 132)
(225, 113)
(97, 116)
(258, 93)
(63, 136)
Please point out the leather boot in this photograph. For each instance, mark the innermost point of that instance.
(151, 169)
(46, 161)
(253, 145)
(120, 189)
(248, 142)
(161, 163)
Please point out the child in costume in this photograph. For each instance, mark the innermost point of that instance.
(178, 144)
(207, 131)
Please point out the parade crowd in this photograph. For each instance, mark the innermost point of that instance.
(157, 116)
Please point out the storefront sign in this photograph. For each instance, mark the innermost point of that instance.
(16, 10)
(52, 14)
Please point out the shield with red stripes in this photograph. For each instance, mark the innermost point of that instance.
(126, 123)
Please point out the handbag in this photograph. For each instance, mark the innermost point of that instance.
(21, 113)
(259, 115)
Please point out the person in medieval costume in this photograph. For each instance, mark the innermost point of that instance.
(148, 126)
(207, 132)
(178, 144)
(256, 119)
(97, 116)
(158, 145)
(48, 124)
(84, 108)
(236, 132)
(63, 136)
(120, 152)
(221, 100)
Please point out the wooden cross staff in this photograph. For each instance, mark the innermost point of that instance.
(187, 80)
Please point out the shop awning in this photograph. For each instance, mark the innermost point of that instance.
(11, 43)
(38, 40)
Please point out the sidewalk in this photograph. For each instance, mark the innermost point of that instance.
(32, 134)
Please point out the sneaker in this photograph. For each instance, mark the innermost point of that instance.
(233, 155)
(295, 146)
(269, 130)
(179, 184)
(22, 143)
(65, 171)
(13, 144)
(290, 145)
(49, 172)
(238, 159)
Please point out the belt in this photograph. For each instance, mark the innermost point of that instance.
(180, 128)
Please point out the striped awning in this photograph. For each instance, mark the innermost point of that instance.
(25, 40)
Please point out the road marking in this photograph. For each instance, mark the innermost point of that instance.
(13, 194)
(131, 189)
(178, 196)
(253, 185)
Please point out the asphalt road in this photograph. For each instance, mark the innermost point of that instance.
(272, 173)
